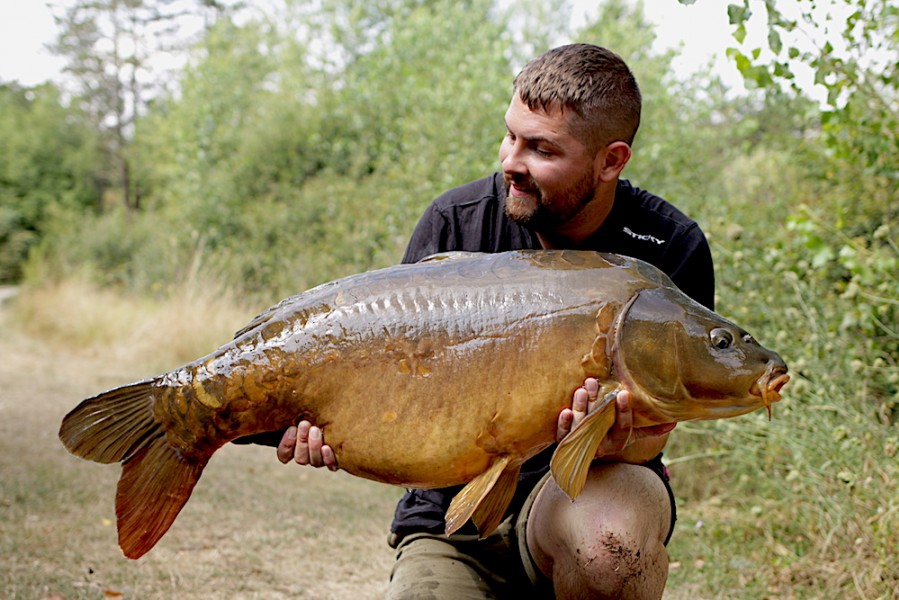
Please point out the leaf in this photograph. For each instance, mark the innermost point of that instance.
(742, 62)
(737, 15)
(774, 41)
(823, 256)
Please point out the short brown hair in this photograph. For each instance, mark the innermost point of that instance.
(593, 82)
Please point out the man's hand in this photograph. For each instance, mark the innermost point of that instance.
(305, 445)
(623, 442)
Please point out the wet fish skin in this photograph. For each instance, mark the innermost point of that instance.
(446, 372)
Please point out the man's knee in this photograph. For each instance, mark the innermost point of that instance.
(610, 541)
(612, 565)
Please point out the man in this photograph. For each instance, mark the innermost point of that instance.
(569, 130)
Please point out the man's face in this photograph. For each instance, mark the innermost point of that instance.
(549, 174)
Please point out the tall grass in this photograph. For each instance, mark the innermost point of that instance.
(805, 505)
(159, 333)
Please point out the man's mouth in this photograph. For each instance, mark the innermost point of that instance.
(517, 190)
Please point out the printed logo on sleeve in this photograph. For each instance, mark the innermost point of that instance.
(643, 237)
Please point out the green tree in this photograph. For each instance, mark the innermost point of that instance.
(48, 160)
(110, 46)
(271, 148)
(851, 50)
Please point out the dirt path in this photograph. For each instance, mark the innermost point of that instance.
(253, 528)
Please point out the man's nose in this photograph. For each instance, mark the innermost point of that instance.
(511, 159)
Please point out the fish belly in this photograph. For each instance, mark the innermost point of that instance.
(433, 406)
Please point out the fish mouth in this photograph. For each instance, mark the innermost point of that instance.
(768, 386)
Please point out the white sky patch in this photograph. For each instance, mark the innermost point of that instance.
(25, 27)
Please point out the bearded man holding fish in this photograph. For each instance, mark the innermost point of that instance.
(569, 130)
(459, 368)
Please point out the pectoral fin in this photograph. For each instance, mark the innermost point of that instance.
(572, 458)
(483, 489)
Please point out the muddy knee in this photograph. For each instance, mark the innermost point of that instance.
(609, 542)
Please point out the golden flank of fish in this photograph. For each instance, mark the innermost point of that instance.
(447, 372)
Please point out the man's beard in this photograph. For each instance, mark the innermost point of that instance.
(539, 213)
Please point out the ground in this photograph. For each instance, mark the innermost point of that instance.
(253, 528)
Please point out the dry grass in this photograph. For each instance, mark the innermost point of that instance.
(253, 528)
(158, 334)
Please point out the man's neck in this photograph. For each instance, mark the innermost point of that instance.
(584, 224)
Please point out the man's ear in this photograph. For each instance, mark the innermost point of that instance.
(611, 160)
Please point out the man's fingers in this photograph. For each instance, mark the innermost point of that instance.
(287, 445)
(329, 459)
(619, 436)
(579, 403)
(301, 450)
(305, 445)
(623, 406)
(563, 426)
(315, 446)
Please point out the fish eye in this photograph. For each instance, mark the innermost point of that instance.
(721, 338)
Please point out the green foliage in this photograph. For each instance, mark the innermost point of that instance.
(108, 46)
(286, 171)
(48, 156)
(799, 505)
(852, 51)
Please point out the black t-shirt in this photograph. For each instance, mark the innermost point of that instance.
(472, 218)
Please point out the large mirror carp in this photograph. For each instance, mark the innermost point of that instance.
(447, 372)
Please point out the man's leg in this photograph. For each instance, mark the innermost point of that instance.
(610, 542)
(432, 567)
(459, 567)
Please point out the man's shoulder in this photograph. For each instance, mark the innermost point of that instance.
(650, 228)
(650, 207)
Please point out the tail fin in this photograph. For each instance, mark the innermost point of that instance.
(155, 485)
(112, 426)
(157, 480)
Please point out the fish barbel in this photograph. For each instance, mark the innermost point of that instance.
(446, 372)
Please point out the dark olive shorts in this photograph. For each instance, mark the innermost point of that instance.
(499, 566)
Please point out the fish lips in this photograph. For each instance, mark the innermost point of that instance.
(769, 384)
